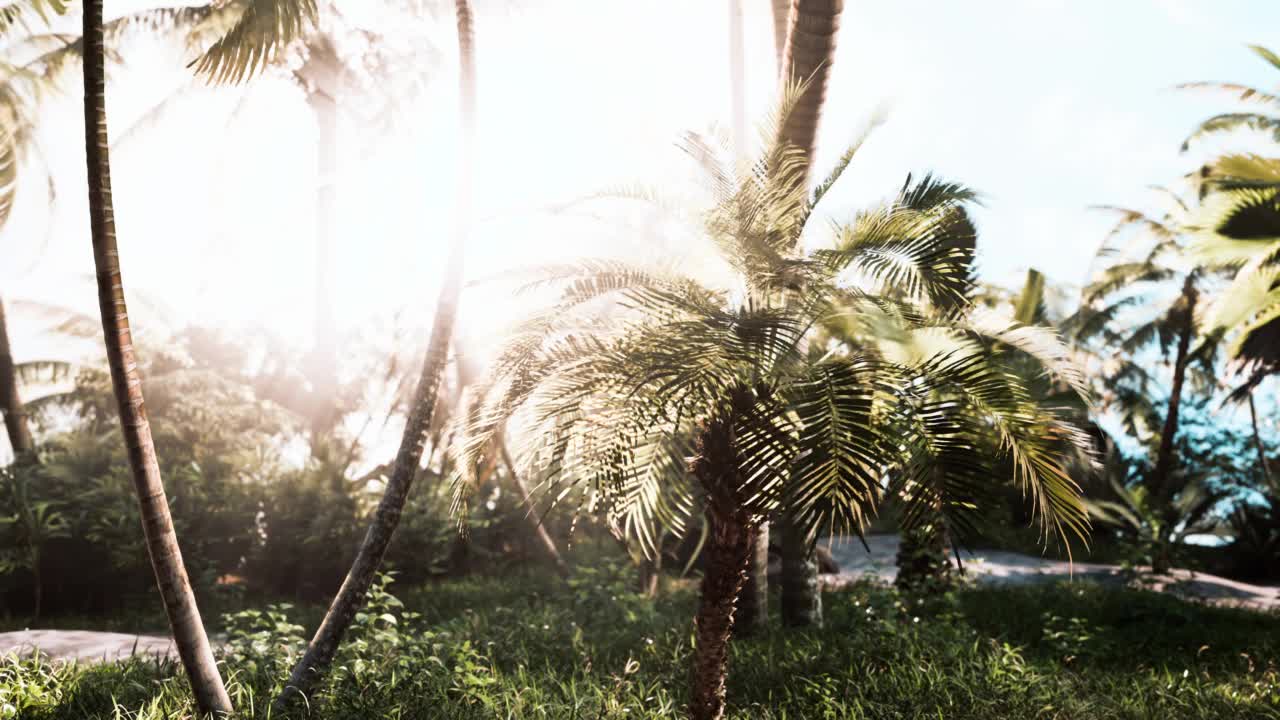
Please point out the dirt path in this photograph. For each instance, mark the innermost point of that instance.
(997, 566)
(985, 566)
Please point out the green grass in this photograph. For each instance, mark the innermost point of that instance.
(522, 647)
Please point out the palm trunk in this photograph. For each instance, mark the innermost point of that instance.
(319, 655)
(1263, 463)
(539, 530)
(324, 361)
(541, 537)
(15, 416)
(728, 551)
(807, 57)
(1164, 459)
(781, 23)
(801, 598)
(753, 600)
(753, 603)
(737, 81)
(162, 543)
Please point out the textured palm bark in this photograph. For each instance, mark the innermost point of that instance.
(15, 416)
(809, 52)
(781, 24)
(351, 596)
(753, 600)
(162, 543)
(728, 550)
(1164, 458)
(801, 600)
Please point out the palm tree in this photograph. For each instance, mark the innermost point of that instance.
(1238, 226)
(684, 397)
(805, 57)
(162, 543)
(753, 604)
(324, 645)
(1123, 307)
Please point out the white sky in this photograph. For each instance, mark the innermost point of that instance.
(1045, 106)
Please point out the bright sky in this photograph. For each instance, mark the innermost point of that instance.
(1045, 106)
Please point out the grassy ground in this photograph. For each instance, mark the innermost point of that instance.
(522, 647)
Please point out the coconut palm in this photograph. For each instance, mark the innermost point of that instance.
(1128, 307)
(683, 397)
(162, 543)
(805, 56)
(324, 645)
(1238, 228)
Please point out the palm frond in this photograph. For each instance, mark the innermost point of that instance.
(263, 29)
(1232, 122)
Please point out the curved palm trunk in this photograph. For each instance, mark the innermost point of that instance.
(1163, 471)
(541, 537)
(807, 57)
(162, 543)
(539, 530)
(320, 652)
(15, 416)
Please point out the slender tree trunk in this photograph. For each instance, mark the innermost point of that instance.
(541, 537)
(753, 603)
(319, 655)
(15, 416)
(1263, 463)
(162, 543)
(801, 598)
(807, 57)
(539, 530)
(781, 24)
(737, 81)
(1161, 475)
(1163, 470)
(322, 75)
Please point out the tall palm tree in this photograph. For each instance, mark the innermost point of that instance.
(324, 645)
(806, 57)
(753, 604)
(1238, 229)
(1126, 306)
(162, 544)
(684, 397)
